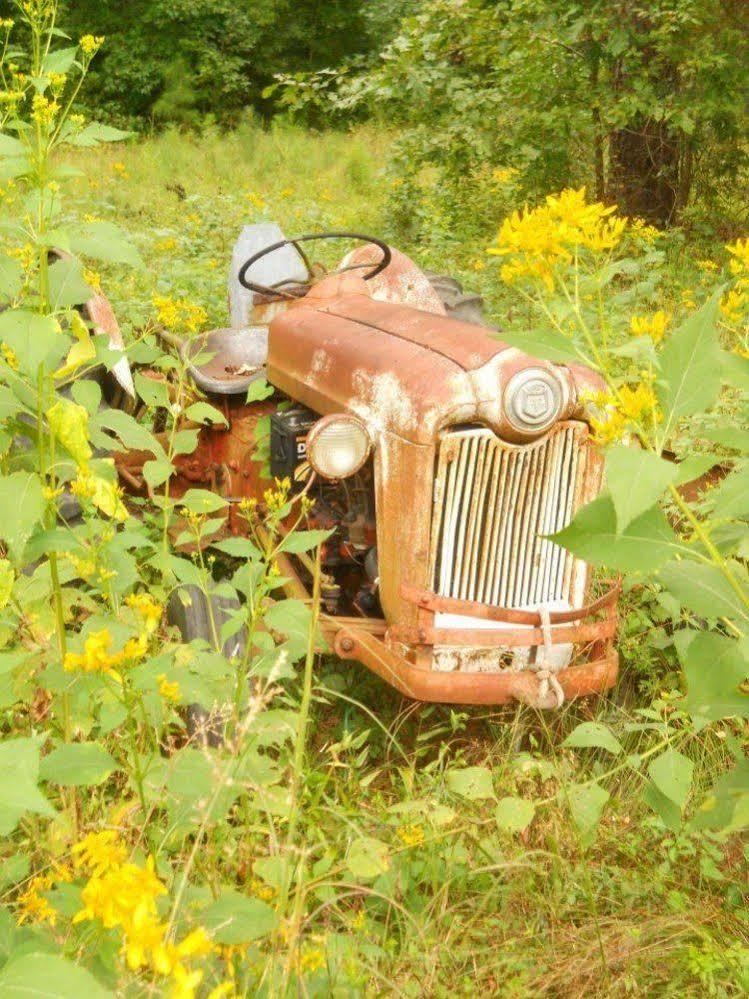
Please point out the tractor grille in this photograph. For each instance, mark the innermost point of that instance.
(492, 501)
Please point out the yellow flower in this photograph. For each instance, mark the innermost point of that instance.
(185, 982)
(99, 852)
(740, 253)
(96, 657)
(733, 305)
(502, 175)
(170, 691)
(32, 906)
(647, 233)
(312, 959)
(166, 244)
(9, 356)
(540, 240)
(90, 44)
(43, 111)
(144, 605)
(614, 414)
(653, 325)
(411, 835)
(222, 991)
(261, 890)
(707, 265)
(179, 313)
(122, 897)
(255, 200)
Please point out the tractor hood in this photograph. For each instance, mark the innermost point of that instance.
(403, 371)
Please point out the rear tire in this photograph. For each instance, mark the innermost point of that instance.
(468, 307)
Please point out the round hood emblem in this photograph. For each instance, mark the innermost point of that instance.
(533, 399)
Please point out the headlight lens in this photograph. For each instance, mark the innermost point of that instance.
(338, 446)
(533, 400)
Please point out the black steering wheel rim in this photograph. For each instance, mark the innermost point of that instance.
(263, 289)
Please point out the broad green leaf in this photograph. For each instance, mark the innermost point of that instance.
(19, 775)
(132, 434)
(69, 423)
(11, 277)
(104, 241)
(77, 764)
(544, 343)
(303, 541)
(291, 618)
(367, 858)
(636, 480)
(474, 783)
(734, 369)
(704, 590)
(60, 60)
(10, 146)
(185, 441)
(152, 391)
(83, 350)
(237, 548)
(646, 544)
(671, 772)
(693, 467)
(594, 735)
(156, 472)
(48, 976)
(715, 668)
(203, 501)
(587, 802)
(95, 133)
(734, 438)
(67, 285)
(203, 412)
(238, 919)
(21, 508)
(690, 367)
(259, 390)
(87, 393)
(726, 807)
(514, 814)
(34, 339)
(731, 498)
(668, 810)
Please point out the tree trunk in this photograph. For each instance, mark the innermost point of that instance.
(645, 177)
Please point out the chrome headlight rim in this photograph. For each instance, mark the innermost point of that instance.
(323, 425)
(532, 400)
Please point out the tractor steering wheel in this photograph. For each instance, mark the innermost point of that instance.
(275, 289)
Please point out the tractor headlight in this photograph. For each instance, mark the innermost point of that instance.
(338, 446)
(532, 400)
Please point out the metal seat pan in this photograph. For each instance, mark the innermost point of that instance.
(237, 359)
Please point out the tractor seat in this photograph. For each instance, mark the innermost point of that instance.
(228, 361)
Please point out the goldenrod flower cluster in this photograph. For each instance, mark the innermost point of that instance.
(32, 906)
(169, 690)
(411, 835)
(146, 607)
(276, 499)
(653, 325)
(538, 241)
(9, 356)
(735, 303)
(646, 232)
(97, 657)
(177, 314)
(43, 111)
(629, 408)
(124, 896)
(90, 44)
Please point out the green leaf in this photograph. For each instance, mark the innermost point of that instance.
(726, 807)
(87, 393)
(690, 367)
(7, 578)
(11, 277)
(156, 472)
(587, 802)
(669, 811)
(78, 764)
(21, 508)
(10, 146)
(185, 441)
(203, 501)
(514, 814)
(35, 340)
(95, 133)
(203, 412)
(544, 343)
(48, 976)
(152, 391)
(594, 735)
(703, 589)
(474, 783)
(132, 434)
(303, 541)
(59, 61)
(104, 241)
(636, 480)
(67, 286)
(693, 467)
(237, 548)
(69, 423)
(19, 775)
(671, 773)
(729, 437)
(238, 919)
(259, 390)
(715, 667)
(731, 498)
(289, 617)
(646, 544)
(367, 858)
(734, 370)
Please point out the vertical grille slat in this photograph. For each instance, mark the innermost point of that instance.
(493, 501)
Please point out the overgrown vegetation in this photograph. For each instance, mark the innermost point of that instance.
(341, 841)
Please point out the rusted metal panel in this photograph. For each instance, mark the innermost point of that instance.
(402, 282)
